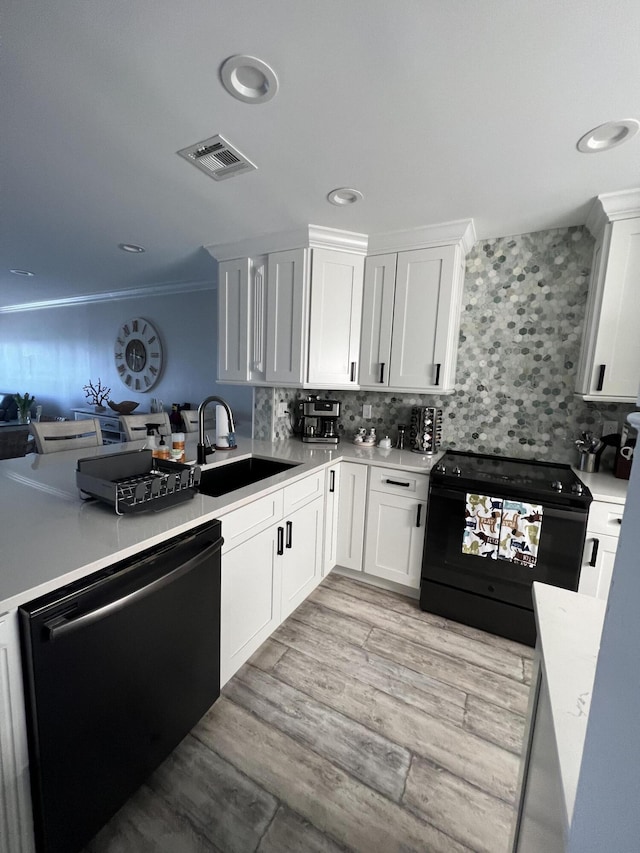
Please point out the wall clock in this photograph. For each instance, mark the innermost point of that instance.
(138, 354)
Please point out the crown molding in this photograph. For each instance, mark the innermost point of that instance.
(461, 231)
(166, 289)
(309, 236)
(610, 207)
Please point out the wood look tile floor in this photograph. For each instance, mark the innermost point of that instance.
(362, 724)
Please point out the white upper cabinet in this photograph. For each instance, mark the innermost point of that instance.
(609, 367)
(377, 319)
(411, 310)
(242, 301)
(334, 321)
(291, 317)
(233, 320)
(425, 305)
(287, 298)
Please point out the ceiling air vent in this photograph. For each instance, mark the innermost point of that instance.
(217, 158)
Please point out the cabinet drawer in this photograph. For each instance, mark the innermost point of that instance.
(241, 524)
(605, 518)
(301, 493)
(398, 482)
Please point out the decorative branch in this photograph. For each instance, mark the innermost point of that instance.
(96, 394)
(24, 403)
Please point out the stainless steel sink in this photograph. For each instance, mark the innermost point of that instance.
(235, 475)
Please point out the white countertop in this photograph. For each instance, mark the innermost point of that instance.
(51, 537)
(569, 631)
(604, 486)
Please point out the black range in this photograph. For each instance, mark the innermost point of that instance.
(475, 584)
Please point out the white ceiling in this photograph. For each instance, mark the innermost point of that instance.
(435, 110)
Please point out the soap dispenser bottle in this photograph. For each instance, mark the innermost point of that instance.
(152, 442)
(163, 451)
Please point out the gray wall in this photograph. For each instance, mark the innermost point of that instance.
(53, 352)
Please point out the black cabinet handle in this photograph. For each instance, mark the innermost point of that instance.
(594, 552)
(437, 382)
(353, 371)
(419, 515)
(289, 533)
(332, 481)
(280, 550)
(381, 372)
(601, 371)
(397, 483)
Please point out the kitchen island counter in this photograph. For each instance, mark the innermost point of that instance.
(569, 631)
(52, 537)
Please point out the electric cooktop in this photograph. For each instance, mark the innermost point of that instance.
(538, 479)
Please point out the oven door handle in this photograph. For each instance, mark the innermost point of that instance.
(60, 626)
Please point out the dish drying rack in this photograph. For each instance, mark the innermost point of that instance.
(135, 481)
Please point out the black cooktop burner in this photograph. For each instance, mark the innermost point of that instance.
(538, 479)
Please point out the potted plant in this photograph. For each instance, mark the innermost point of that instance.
(97, 394)
(24, 403)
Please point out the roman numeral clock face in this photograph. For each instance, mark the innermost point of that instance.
(138, 354)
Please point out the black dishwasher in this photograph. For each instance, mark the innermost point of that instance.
(118, 668)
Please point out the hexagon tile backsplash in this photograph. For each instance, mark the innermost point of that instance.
(524, 301)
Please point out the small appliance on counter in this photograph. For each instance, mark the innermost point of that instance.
(624, 453)
(320, 421)
(425, 432)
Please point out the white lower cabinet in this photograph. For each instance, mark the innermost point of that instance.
(601, 544)
(302, 557)
(16, 835)
(353, 505)
(271, 561)
(331, 518)
(396, 514)
(251, 595)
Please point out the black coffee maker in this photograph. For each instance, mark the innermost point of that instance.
(320, 421)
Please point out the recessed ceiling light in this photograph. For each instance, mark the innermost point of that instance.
(22, 272)
(608, 135)
(131, 247)
(344, 195)
(249, 79)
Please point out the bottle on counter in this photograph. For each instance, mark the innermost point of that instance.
(174, 418)
(163, 451)
(177, 443)
(152, 441)
(401, 433)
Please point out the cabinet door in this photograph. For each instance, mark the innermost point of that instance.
(597, 565)
(616, 361)
(336, 311)
(251, 596)
(287, 298)
(258, 319)
(425, 319)
(233, 320)
(302, 559)
(16, 834)
(395, 538)
(353, 502)
(377, 319)
(331, 507)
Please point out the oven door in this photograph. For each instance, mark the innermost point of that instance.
(562, 536)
